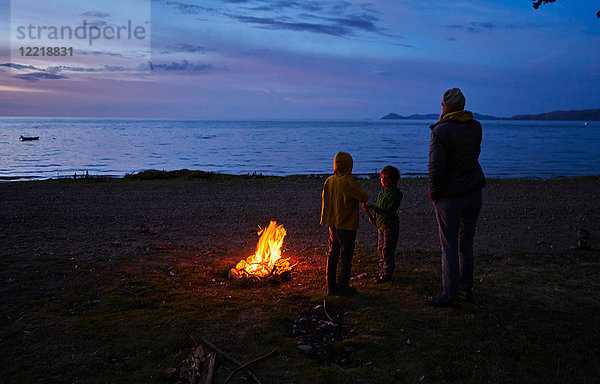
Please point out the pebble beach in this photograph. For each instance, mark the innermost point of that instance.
(79, 218)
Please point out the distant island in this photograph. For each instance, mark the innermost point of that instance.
(581, 115)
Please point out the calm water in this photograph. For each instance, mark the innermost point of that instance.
(116, 147)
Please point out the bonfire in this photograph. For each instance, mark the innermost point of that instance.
(267, 260)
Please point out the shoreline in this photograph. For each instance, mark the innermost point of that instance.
(153, 174)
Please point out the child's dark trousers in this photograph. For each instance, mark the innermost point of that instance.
(341, 247)
(387, 239)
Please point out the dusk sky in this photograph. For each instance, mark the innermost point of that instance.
(238, 59)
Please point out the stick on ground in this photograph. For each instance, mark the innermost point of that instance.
(229, 358)
(220, 352)
(247, 364)
(325, 310)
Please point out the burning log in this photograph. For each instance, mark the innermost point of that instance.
(266, 260)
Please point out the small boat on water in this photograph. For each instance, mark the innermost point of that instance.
(29, 138)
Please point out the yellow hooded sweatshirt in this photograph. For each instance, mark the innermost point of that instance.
(341, 195)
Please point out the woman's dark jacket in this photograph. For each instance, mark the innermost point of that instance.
(454, 149)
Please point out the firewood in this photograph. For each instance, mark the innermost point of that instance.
(229, 358)
(210, 368)
(220, 352)
(247, 364)
(325, 310)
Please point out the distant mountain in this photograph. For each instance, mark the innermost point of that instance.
(394, 116)
(435, 116)
(581, 115)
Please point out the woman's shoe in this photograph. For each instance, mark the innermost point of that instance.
(443, 301)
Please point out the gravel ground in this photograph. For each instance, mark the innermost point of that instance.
(83, 219)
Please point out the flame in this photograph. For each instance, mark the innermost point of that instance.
(267, 258)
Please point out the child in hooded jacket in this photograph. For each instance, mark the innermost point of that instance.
(339, 211)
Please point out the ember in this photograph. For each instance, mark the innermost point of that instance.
(267, 259)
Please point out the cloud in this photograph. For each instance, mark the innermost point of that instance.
(100, 15)
(478, 27)
(309, 6)
(97, 23)
(337, 18)
(18, 66)
(37, 76)
(34, 73)
(350, 22)
(336, 26)
(525, 26)
(184, 65)
(473, 27)
(8, 88)
(189, 9)
(53, 72)
(187, 48)
(105, 68)
(360, 22)
(271, 23)
(340, 6)
(99, 53)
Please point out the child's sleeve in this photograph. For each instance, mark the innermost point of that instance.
(389, 207)
(324, 205)
(357, 193)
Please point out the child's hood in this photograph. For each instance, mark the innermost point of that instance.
(342, 164)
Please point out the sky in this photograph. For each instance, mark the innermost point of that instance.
(292, 59)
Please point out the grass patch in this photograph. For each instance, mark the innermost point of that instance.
(535, 319)
(187, 174)
(153, 174)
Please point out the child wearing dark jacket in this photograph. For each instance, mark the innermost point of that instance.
(386, 220)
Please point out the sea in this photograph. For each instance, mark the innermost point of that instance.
(115, 147)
